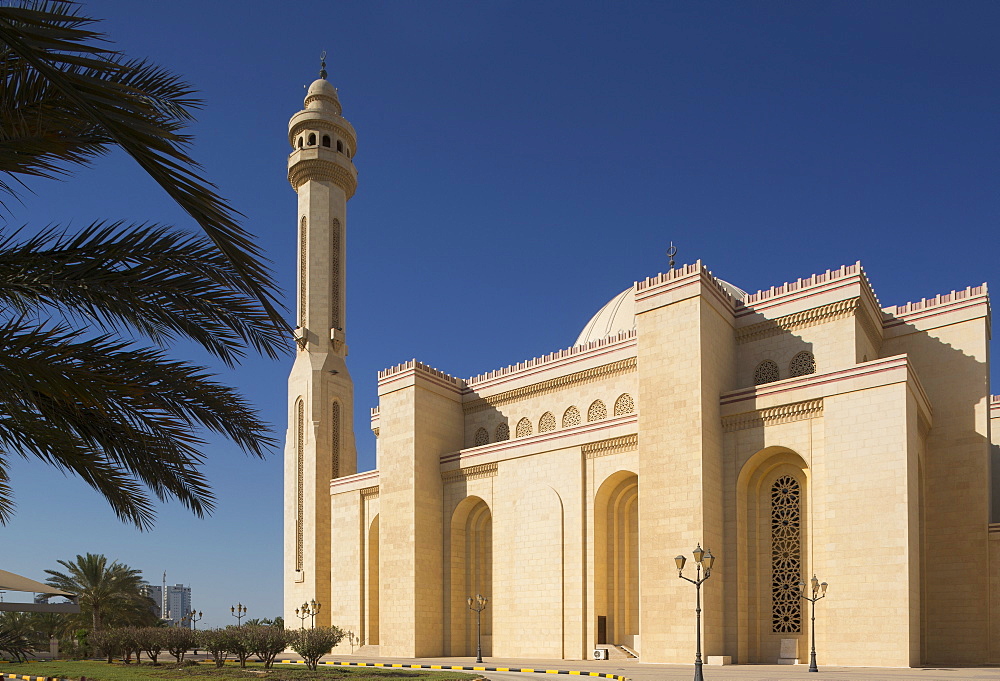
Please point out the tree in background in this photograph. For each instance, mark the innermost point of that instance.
(312, 644)
(108, 594)
(76, 390)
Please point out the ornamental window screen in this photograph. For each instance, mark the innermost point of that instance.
(335, 442)
(335, 275)
(482, 438)
(300, 455)
(786, 555)
(571, 417)
(547, 422)
(302, 272)
(523, 428)
(503, 432)
(597, 411)
(624, 405)
(802, 364)
(766, 372)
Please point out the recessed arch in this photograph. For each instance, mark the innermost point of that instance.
(766, 372)
(481, 438)
(326, 141)
(371, 633)
(803, 364)
(523, 428)
(616, 559)
(597, 411)
(312, 139)
(503, 432)
(547, 422)
(471, 542)
(624, 405)
(571, 417)
(771, 560)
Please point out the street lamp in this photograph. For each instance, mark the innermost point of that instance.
(313, 611)
(304, 609)
(239, 611)
(818, 592)
(477, 605)
(194, 617)
(704, 559)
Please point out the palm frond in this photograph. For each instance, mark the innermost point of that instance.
(159, 282)
(93, 98)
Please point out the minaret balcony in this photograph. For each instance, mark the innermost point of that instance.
(322, 164)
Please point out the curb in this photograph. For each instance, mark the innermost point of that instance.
(446, 667)
(31, 678)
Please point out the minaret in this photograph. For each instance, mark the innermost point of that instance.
(319, 444)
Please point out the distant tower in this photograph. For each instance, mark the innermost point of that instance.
(319, 443)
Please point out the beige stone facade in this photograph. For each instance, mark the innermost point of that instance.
(804, 429)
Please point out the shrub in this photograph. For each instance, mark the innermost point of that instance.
(313, 644)
(177, 641)
(107, 641)
(239, 642)
(266, 642)
(151, 639)
(14, 643)
(129, 640)
(216, 642)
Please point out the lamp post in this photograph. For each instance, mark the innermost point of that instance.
(703, 559)
(477, 605)
(314, 608)
(304, 610)
(195, 617)
(818, 592)
(239, 611)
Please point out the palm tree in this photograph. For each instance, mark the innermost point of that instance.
(76, 388)
(109, 595)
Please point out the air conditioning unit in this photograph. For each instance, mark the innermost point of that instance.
(600, 653)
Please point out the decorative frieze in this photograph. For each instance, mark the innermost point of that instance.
(369, 493)
(622, 366)
(614, 445)
(485, 470)
(798, 411)
(322, 170)
(800, 320)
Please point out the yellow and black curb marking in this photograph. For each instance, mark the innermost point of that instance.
(26, 677)
(454, 668)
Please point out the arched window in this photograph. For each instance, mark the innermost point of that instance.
(571, 417)
(335, 441)
(312, 139)
(547, 422)
(482, 438)
(766, 372)
(326, 141)
(503, 432)
(786, 555)
(597, 411)
(300, 141)
(523, 428)
(624, 405)
(340, 146)
(802, 364)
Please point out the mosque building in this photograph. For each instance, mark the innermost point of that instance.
(801, 430)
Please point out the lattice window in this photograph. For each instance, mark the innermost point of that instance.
(802, 364)
(786, 555)
(335, 274)
(335, 442)
(624, 405)
(766, 372)
(482, 438)
(303, 262)
(571, 417)
(523, 428)
(547, 422)
(300, 455)
(503, 432)
(597, 411)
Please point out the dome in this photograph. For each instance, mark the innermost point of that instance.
(619, 314)
(616, 316)
(322, 95)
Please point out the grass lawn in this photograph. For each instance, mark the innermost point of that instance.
(102, 671)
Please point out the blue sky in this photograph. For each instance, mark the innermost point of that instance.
(520, 164)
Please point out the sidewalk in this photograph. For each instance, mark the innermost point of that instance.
(639, 671)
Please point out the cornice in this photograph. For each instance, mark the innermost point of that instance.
(622, 366)
(615, 445)
(800, 320)
(369, 492)
(483, 470)
(786, 413)
(319, 169)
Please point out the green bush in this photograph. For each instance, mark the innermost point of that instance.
(313, 644)
(151, 640)
(216, 642)
(177, 641)
(267, 641)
